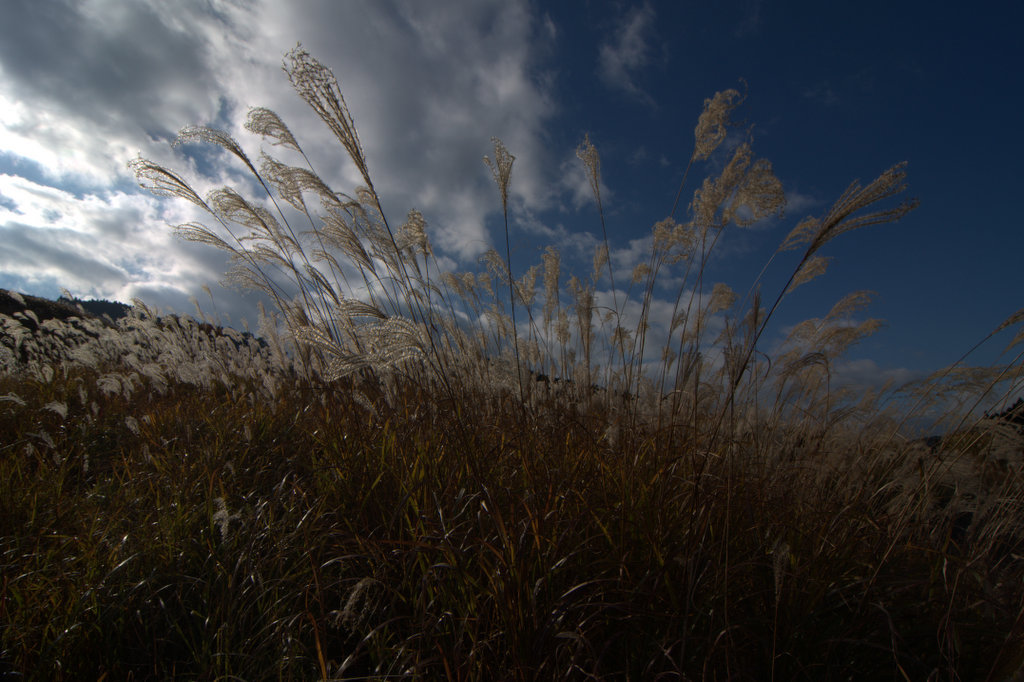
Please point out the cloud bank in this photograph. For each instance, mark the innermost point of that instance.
(87, 86)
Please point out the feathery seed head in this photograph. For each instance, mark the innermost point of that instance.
(223, 519)
(133, 425)
(587, 153)
(351, 307)
(621, 338)
(745, 192)
(266, 123)
(501, 169)
(841, 218)
(526, 287)
(413, 234)
(243, 277)
(58, 408)
(722, 298)
(317, 86)
(712, 194)
(361, 603)
(1017, 338)
(849, 304)
(291, 182)
(12, 398)
(713, 121)
(562, 327)
(662, 231)
(600, 259)
(803, 233)
(483, 281)
(758, 196)
(163, 182)
(1009, 322)
(201, 234)
(337, 232)
(684, 236)
(812, 267)
(220, 138)
(495, 264)
(552, 264)
(450, 280)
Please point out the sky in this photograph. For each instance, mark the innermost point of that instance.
(835, 92)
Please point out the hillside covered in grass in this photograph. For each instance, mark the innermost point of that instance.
(494, 475)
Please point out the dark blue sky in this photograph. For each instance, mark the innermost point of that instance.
(836, 92)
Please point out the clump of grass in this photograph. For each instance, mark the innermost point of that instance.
(401, 497)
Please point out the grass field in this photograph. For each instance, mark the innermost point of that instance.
(488, 475)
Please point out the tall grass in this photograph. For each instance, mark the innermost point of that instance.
(447, 479)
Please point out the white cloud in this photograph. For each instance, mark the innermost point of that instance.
(93, 81)
(104, 245)
(797, 203)
(866, 374)
(87, 85)
(627, 52)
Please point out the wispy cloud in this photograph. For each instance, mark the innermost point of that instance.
(750, 20)
(798, 203)
(627, 52)
(822, 93)
(864, 374)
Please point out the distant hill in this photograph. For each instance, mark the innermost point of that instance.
(61, 309)
(109, 312)
(112, 309)
(1013, 414)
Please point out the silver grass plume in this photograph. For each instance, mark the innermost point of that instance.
(317, 86)
(266, 123)
(711, 126)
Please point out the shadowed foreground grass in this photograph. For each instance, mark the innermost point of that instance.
(220, 538)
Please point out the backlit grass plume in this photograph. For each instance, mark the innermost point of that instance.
(344, 280)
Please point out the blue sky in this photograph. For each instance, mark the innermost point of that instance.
(835, 92)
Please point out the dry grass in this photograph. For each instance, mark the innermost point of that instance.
(447, 478)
